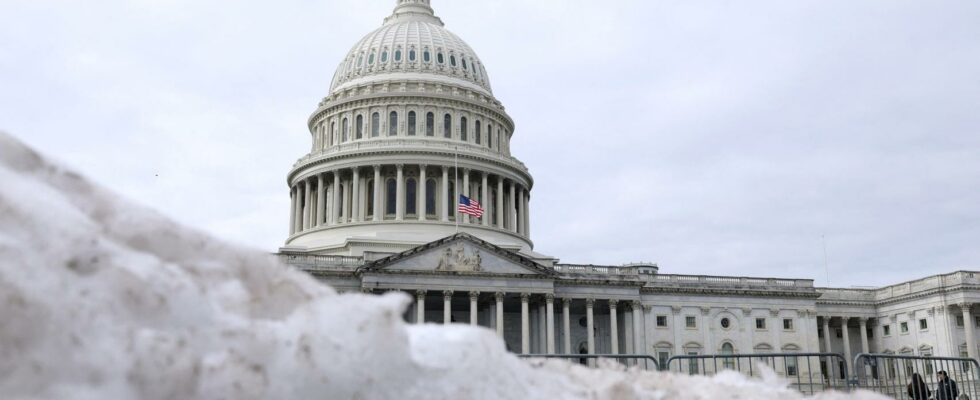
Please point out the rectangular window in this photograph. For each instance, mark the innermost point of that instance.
(661, 321)
(692, 363)
(923, 324)
(904, 327)
(760, 323)
(791, 366)
(959, 321)
(663, 357)
(691, 321)
(886, 330)
(787, 324)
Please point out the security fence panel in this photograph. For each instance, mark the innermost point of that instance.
(808, 373)
(892, 375)
(642, 361)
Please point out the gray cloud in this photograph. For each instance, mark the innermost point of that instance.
(712, 137)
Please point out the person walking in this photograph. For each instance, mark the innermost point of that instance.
(946, 389)
(917, 388)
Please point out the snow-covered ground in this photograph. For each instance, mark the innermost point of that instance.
(102, 299)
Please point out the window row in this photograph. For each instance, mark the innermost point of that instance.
(461, 62)
(691, 322)
(461, 129)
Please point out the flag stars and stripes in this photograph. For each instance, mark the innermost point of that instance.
(469, 206)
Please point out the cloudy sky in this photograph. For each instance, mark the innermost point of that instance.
(713, 137)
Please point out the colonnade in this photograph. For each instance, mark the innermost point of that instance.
(846, 337)
(402, 192)
(634, 309)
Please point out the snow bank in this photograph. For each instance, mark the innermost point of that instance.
(101, 299)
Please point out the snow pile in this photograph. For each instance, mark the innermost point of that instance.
(101, 299)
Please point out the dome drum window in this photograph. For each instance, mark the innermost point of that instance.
(371, 59)
(440, 59)
(426, 56)
(452, 60)
(411, 55)
(398, 55)
(384, 56)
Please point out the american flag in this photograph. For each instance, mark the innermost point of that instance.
(469, 206)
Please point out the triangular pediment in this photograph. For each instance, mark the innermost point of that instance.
(459, 254)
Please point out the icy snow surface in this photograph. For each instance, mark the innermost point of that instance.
(102, 299)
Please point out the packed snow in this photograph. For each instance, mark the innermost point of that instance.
(102, 299)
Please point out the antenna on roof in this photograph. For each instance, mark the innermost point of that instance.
(825, 268)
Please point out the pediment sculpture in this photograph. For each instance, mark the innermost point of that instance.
(457, 260)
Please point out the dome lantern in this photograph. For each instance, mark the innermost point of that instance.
(417, 10)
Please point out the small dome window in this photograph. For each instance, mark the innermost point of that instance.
(384, 56)
(360, 60)
(464, 63)
(440, 59)
(426, 57)
(398, 55)
(452, 60)
(371, 59)
(411, 55)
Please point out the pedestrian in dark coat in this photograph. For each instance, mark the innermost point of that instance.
(946, 389)
(918, 389)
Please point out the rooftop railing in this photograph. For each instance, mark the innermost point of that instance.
(315, 263)
(730, 281)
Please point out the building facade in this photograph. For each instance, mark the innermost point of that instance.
(411, 122)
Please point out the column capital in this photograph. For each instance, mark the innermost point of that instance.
(376, 166)
(965, 306)
(422, 167)
(566, 301)
(420, 294)
(400, 166)
(636, 304)
(525, 297)
(499, 296)
(613, 303)
(474, 295)
(549, 298)
(589, 302)
(447, 293)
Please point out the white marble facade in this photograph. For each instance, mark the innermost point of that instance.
(411, 122)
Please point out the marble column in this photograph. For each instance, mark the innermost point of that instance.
(335, 209)
(527, 213)
(320, 199)
(968, 323)
(378, 210)
(306, 204)
(614, 326)
(420, 307)
(348, 196)
(500, 202)
(638, 330)
(355, 203)
(522, 218)
(400, 193)
(550, 312)
(525, 329)
(292, 211)
(447, 306)
(444, 195)
(511, 211)
(499, 296)
(474, 296)
(863, 334)
(420, 202)
(827, 349)
(484, 200)
(590, 324)
(466, 191)
(847, 344)
(566, 326)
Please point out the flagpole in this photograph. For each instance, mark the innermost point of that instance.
(456, 184)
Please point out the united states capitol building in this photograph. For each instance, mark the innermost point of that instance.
(411, 121)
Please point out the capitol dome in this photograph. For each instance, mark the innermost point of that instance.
(412, 43)
(409, 129)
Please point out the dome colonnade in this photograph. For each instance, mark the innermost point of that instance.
(410, 121)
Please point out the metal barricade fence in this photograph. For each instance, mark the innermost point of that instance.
(808, 373)
(630, 360)
(890, 375)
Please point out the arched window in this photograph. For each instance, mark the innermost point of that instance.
(411, 123)
(430, 197)
(369, 211)
(391, 194)
(411, 55)
(451, 200)
(439, 58)
(333, 131)
(371, 59)
(452, 60)
(411, 196)
(476, 133)
(489, 143)
(728, 349)
(430, 121)
(398, 55)
(425, 55)
(359, 129)
(344, 129)
(375, 124)
(447, 126)
(393, 124)
(464, 62)
(384, 56)
(462, 128)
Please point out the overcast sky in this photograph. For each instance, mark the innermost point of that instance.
(712, 137)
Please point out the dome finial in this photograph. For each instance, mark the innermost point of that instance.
(413, 9)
